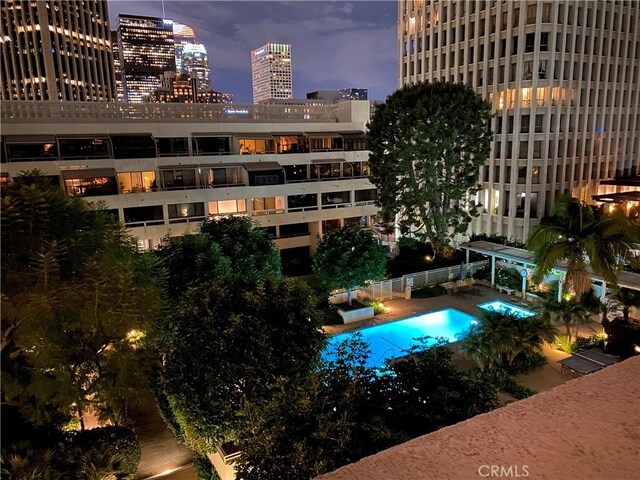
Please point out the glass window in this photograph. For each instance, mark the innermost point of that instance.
(354, 142)
(539, 123)
(24, 152)
(326, 144)
(137, 182)
(172, 146)
(218, 177)
(524, 124)
(179, 179)
(227, 207)
(294, 230)
(295, 173)
(148, 214)
(360, 169)
(366, 196)
(133, 146)
(91, 187)
(292, 144)
(185, 210)
(266, 205)
(97, 147)
(530, 42)
(339, 199)
(266, 177)
(305, 202)
(212, 146)
(531, 14)
(249, 146)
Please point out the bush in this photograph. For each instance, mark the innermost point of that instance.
(623, 337)
(580, 344)
(113, 449)
(502, 380)
(378, 306)
(507, 277)
(523, 364)
(204, 469)
(428, 292)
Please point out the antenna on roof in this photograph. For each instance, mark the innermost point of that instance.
(163, 16)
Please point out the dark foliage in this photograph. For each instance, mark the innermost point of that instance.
(623, 337)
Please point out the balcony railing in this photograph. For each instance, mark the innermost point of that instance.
(14, 111)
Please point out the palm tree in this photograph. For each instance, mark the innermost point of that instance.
(627, 298)
(477, 346)
(576, 234)
(571, 312)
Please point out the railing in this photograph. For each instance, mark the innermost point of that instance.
(396, 287)
(105, 112)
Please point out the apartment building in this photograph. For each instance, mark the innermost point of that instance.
(54, 50)
(164, 168)
(562, 77)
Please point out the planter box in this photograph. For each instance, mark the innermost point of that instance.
(350, 316)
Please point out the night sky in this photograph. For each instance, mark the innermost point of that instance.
(335, 44)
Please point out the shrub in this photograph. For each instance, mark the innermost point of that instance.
(502, 380)
(378, 306)
(523, 364)
(580, 344)
(111, 449)
(428, 292)
(623, 336)
(502, 240)
(204, 469)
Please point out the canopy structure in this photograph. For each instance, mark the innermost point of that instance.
(588, 361)
(523, 257)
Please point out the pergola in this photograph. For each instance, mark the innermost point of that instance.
(523, 257)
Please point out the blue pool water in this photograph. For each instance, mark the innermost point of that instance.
(392, 339)
(504, 307)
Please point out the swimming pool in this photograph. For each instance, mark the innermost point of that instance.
(506, 308)
(392, 339)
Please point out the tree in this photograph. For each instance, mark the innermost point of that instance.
(229, 247)
(499, 338)
(575, 233)
(226, 344)
(74, 290)
(349, 257)
(428, 142)
(572, 312)
(627, 298)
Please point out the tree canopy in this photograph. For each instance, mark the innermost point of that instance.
(428, 142)
(577, 234)
(225, 346)
(348, 257)
(74, 291)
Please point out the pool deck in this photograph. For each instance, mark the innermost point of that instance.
(544, 379)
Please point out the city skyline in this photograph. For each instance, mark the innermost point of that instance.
(335, 45)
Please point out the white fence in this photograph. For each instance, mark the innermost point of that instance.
(395, 288)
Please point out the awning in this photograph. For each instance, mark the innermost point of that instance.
(261, 166)
(620, 197)
(212, 134)
(322, 134)
(254, 136)
(30, 139)
(88, 173)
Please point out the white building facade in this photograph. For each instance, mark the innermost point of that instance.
(271, 72)
(562, 78)
(164, 168)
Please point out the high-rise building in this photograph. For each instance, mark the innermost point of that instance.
(117, 66)
(561, 77)
(191, 56)
(56, 50)
(271, 72)
(182, 88)
(146, 50)
(353, 94)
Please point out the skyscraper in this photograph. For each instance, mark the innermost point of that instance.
(271, 72)
(146, 50)
(191, 56)
(561, 78)
(116, 66)
(56, 50)
(353, 94)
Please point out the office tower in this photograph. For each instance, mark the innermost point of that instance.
(182, 88)
(191, 56)
(353, 94)
(327, 96)
(146, 50)
(271, 72)
(562, 78)
(116, 66)
(56, 50)
(163, 168)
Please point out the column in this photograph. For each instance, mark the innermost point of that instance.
(493, 271)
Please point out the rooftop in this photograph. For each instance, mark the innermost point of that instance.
(17, 111)
(587, 429)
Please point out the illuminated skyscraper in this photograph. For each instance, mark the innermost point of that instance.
(116, 66)
(191, 56)
(271, 72)
(147, 50)
(56, 50)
